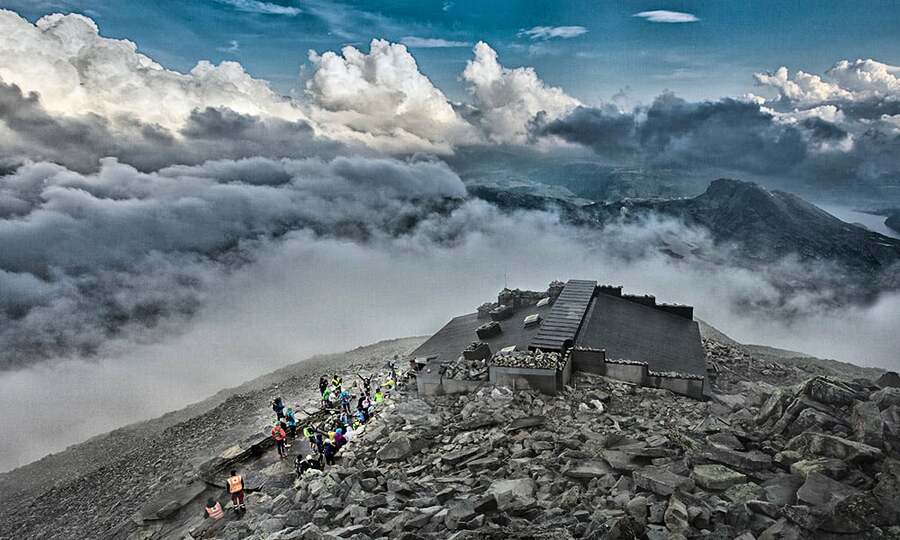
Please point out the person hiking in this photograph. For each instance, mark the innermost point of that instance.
(236, 490)
(339, 440)
(279, 435)
(336, 381)
(345, 399)
(320, 442)
(367, 383)
(328, 450)
(213, 510)
(379, 396)
(310, 436)
(303, 464)
(326, 398)
(291, 420)
(323, 384)
(278, 407)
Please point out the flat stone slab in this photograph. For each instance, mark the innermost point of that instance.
(819, 490)
(457, 457)
(819, 444)
(516, 487)
(621, 461)
(661, 481)
(588, 470)
(717, 477)
(483, 463)
(744, 461)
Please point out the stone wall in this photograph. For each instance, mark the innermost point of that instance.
(594, 361)
(544, 380)
(686, 312)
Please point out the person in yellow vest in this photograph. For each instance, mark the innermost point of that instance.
(236, 489)
(379, 396)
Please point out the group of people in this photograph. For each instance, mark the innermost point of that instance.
(326, 438)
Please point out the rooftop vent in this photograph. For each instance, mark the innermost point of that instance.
(532, 320)
(543, 302)
(507, 350)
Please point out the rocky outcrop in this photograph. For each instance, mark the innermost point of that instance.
(645, 464)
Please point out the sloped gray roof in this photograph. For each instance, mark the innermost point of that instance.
(449, 342)
(631, 331)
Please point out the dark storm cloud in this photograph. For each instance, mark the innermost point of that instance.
(89, 255)
(675, 133)
(859, 151)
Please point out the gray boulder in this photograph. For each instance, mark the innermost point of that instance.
(885, 397)
(716, 477)
(820, 444)
(867, 424)
(397, 448)
(820, 490)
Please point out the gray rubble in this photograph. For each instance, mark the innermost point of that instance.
(645, 464)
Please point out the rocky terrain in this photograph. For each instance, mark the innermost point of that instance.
(90, 489)
(816, 459)
(780, 451)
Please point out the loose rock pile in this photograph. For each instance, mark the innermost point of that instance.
(528, 359)
(607, 460)
(466, 370)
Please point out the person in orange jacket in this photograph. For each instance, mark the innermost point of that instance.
(279, 435)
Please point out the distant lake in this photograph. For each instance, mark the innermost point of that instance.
(871, 221)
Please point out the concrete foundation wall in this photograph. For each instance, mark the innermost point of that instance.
(685, 386)
(544, 380)
(594, 361)
(565, 375)
(633, 373)
(589, 361)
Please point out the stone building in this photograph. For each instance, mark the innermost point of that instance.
(540, 338)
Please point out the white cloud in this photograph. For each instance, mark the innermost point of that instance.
(508, 99)
(267, 8)
(550, 32)
(76, 71)
(382, 99)
(233, 47)
(867, 77)
(803, 88)
(846, 81)
(415, 42)
(665, 16)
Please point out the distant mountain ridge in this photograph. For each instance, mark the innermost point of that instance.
(756, 225)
